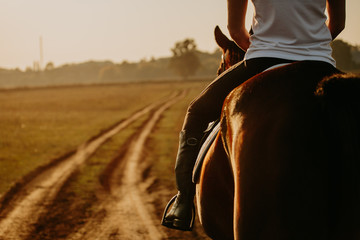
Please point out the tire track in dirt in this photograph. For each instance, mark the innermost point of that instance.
(129, 213)
(20, 214)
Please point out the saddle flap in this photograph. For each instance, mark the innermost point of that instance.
(208, 139)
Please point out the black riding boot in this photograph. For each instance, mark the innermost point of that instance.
(181, 215)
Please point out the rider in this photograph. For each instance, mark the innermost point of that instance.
(284, 31)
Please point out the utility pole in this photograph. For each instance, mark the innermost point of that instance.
(41, 54)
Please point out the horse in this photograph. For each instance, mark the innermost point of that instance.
(285, 163)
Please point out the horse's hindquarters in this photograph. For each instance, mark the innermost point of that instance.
(277, 144)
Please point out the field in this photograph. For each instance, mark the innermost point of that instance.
(43, 125)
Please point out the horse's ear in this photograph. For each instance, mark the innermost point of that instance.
(221, 39)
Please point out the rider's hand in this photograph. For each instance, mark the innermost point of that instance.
(241, 37)
(236, 23)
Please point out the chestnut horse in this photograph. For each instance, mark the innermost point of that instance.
(286, 162)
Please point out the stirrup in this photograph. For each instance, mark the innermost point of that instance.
(170, 224)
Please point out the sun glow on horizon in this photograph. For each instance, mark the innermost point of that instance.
(115, 30)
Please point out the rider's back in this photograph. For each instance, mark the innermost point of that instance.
(290, 29)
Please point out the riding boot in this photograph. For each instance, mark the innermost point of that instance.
(181, 215)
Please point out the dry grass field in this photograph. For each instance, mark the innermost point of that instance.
(40, 125)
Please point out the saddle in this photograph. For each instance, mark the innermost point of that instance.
(209, 136)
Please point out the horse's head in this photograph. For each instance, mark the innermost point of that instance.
(231, 53)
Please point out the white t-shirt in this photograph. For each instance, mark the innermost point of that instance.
(290, 29)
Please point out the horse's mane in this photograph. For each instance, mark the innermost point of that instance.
(339, 96)
(235, 56)
(339, 84)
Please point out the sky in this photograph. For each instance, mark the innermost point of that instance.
(74, 31)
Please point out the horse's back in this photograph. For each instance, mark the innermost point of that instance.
(273, 129)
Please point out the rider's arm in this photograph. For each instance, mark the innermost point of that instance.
(236, 23)
(336, 16)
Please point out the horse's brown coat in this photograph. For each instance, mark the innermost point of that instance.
(270, 173)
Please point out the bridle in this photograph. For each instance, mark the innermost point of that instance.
(233, 56)
(223, 61)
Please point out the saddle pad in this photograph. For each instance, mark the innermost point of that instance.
(209, 139)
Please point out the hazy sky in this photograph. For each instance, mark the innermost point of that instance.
(116, 30)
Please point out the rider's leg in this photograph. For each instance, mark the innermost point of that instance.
(204, 109)
(180, 215)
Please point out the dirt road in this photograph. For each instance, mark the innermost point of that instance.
(126, 211)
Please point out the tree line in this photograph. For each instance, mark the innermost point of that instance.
(186, 62)
(346, 55)
(91, 72)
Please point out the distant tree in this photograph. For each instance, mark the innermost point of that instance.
(28, 69)
(49, 66)
(355, 52)
(109, 73)
(342, 55)
(185, 61)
